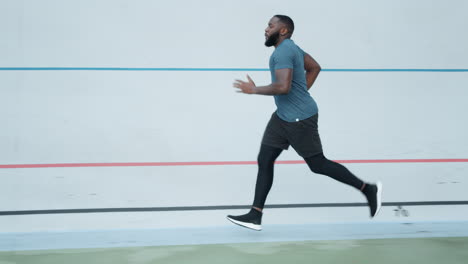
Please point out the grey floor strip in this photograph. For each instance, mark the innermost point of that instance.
(216, 207)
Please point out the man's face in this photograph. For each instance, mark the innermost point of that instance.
(272, 32)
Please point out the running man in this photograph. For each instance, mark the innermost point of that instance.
(294, 122)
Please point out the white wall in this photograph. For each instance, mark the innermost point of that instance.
(158, 116)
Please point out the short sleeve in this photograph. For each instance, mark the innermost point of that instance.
(284, 59)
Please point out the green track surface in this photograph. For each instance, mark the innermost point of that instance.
(381, 251)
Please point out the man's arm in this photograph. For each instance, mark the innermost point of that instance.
(312, 69)
(282, 85)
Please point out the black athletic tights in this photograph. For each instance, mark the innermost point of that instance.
(317, 163)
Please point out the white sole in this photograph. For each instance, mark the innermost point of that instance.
(247, 225)
(379, 198)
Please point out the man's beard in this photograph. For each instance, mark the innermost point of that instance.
(272, 39)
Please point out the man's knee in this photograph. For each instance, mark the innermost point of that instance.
(316, 163)
(267, 155)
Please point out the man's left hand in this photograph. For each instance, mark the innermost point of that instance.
(245, 87)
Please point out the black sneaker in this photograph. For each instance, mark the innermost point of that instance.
(373, 193)
(252, 220)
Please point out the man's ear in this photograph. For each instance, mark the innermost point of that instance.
(284, 31)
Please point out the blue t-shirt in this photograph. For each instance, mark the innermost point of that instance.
(297, 104)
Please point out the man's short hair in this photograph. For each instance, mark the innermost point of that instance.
(288, 22)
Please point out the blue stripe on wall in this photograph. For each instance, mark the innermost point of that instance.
(211, 69)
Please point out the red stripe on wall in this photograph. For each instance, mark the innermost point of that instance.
(212, 163)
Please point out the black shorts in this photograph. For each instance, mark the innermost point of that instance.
(302, 135)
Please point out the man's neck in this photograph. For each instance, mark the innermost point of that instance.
(280, 41)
